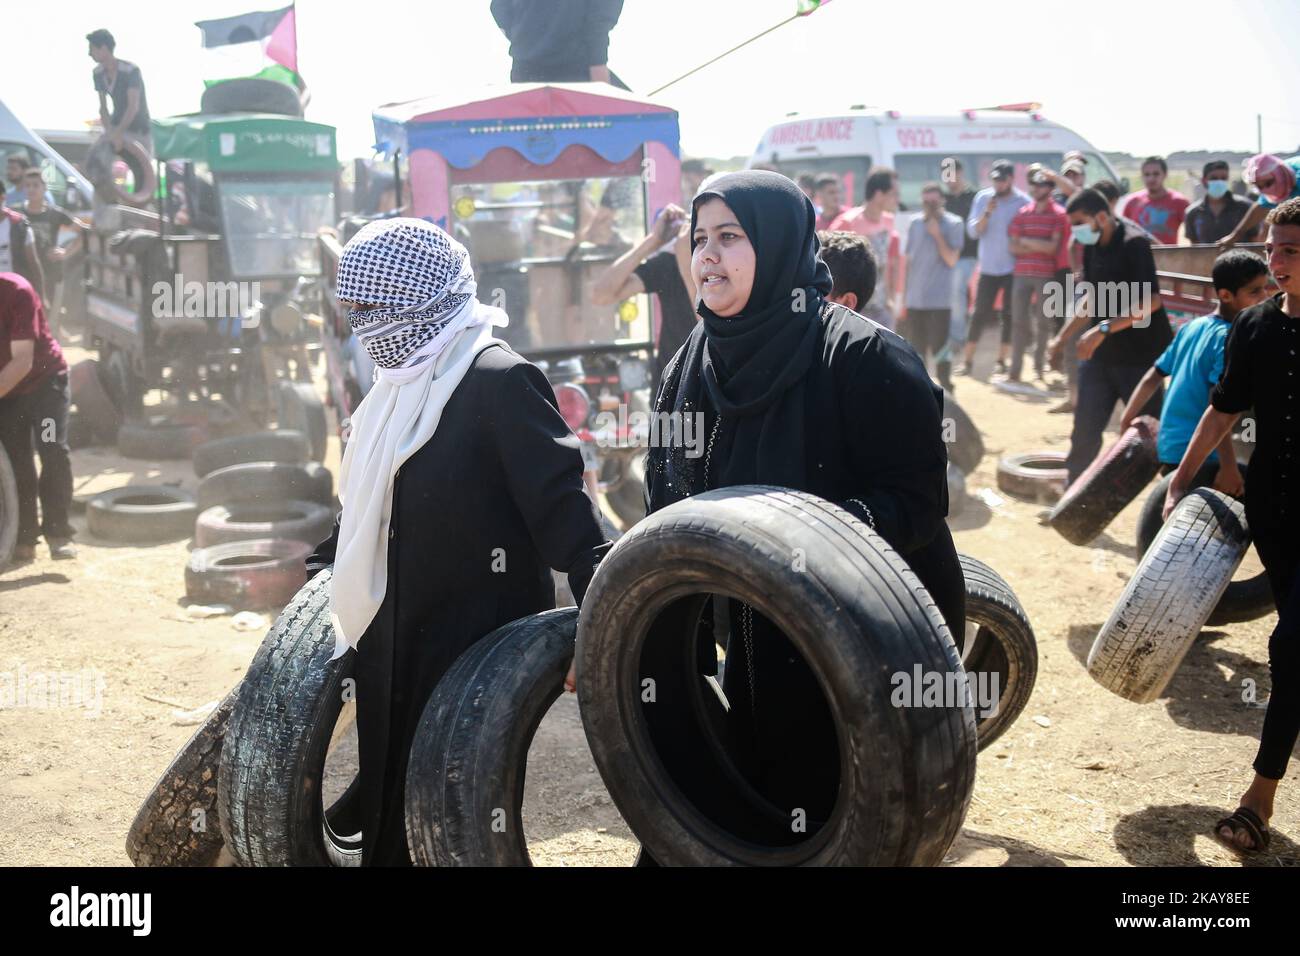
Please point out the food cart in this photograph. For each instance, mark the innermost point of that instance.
(546, 185)
(211, 293)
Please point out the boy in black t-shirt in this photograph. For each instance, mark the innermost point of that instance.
(1262, 371)
(47, 221)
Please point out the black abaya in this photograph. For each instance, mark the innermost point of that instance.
(480, 515)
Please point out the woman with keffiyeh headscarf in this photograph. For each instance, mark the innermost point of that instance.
(461, 488)
(799, 392)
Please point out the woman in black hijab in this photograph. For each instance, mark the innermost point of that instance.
(799, 392)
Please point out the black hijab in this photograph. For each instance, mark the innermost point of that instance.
(750, 368)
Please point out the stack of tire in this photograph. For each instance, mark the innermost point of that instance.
(965, 451)
(272, 747)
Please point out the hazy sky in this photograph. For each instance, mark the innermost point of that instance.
(1137, 77)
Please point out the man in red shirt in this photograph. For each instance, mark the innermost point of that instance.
(874, 220)
(1156, 209)
(1037, 236)
(34, 401)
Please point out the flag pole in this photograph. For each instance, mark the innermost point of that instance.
(794, 16)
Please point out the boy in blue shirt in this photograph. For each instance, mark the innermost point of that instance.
(1193, 363)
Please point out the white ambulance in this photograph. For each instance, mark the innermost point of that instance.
(850, 143)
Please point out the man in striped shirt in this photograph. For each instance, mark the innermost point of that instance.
(1036, 236)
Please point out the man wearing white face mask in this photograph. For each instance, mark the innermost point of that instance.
(1218, 214)
(1127, 328)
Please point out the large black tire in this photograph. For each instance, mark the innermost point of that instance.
(1033, 476)
(247, 575)
(301, 410)
(1245, 600)
(157, 439)
(856, 614)
(142, 514)
(282, 445)
(177, 825)
(465, 778)
(272, 764)
(1181, 578)
(251, 95)
(965, 444)
(291, 520)
(99, 417)
(1114, 479)
(8, 510)
(627, 498)
(266, 482)
(1000, 641)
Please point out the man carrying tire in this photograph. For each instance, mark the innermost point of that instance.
(1128, 325)
(1262, 370)
(1193, 363)
(34, 399)
(121, 82)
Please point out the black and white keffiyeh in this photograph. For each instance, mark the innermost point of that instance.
(424, 330)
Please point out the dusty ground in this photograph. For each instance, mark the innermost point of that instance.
(1083, 778)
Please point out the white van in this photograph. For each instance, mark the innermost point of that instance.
(70, 188)
(850, 143)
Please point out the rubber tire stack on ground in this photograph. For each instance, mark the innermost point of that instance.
(8, 510)
(1114, 479)
(291, 520)
(142, 514)
(158, 438)
(284, 445)
(301, 410)
(1003, 643)
(465, 778)
(266, 482)
(1179, 582)
(272, 763)
(1033, 476)
(1246, 600)
(856, 613)
(966, 449)
(247, 575)
(167, 830)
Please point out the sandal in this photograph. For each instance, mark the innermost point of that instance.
(1248, 820)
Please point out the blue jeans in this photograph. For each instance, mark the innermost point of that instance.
(960, 314)
(1101, 385)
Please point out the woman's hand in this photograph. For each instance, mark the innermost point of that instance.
(571, 678)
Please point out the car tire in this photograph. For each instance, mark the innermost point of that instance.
(1000, 641)
(465, 776)
(1033, 476)
(1109, 484)
(266, 482)
(285, 445)
(291, 520)
(142, 514)
(1178, 583)
(247, 575)
(178, 824)
(269, 789)
(908, 770)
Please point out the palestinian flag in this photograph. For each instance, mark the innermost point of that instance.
(246, 42)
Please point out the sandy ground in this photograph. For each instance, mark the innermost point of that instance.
(1083, 778)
